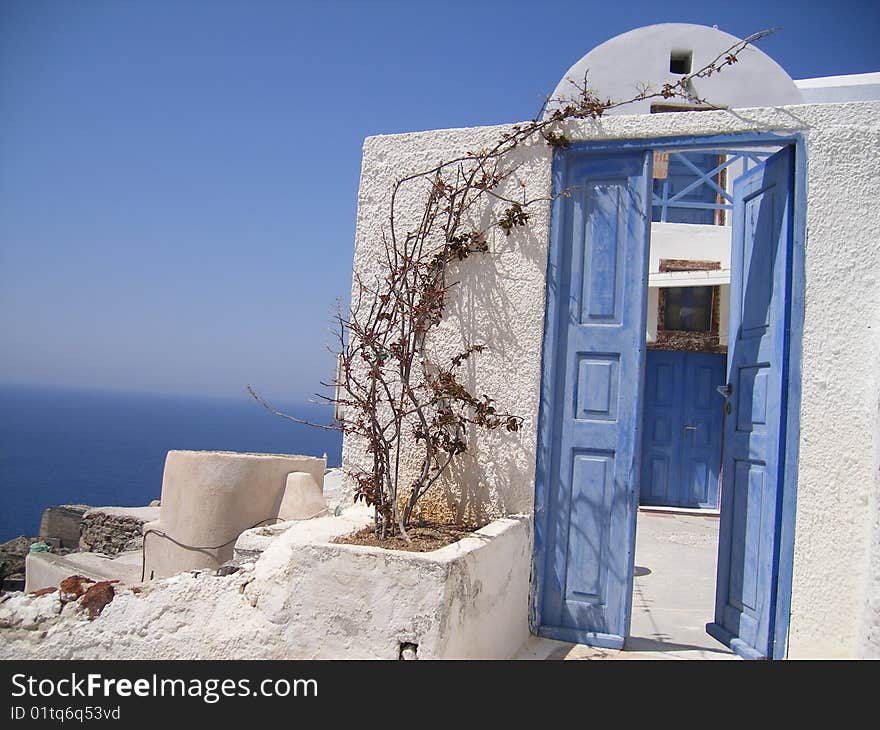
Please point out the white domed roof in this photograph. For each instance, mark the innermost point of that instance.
(620, 68)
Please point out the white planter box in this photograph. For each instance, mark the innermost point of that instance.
(466, 600)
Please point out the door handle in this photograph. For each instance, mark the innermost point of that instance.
(690, 428)
(725, 390)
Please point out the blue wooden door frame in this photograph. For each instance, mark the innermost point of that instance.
(795, 309)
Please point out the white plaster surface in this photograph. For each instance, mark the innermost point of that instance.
(334, 491)
(304, 598)
(466, 600)
(302, 498)
(251, 543)
(689, 241)
(500, 302)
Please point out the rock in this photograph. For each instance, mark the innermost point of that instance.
(12, 555)
(113, 530)
(96, 598)
(74, 586)
(62, 523)
(44, 591)
(13, 583)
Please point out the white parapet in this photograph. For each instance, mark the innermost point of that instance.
(209, 498)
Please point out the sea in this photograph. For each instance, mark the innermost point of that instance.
(108, 448)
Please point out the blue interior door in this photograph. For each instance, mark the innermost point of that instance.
(592, 405)
(753, 440)
(681, 436)
(701, 429)
(661, 431)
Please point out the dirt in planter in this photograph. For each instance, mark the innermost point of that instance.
(423, 538)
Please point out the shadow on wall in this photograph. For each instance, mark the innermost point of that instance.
(498, 302)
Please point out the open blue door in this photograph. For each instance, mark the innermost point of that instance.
(753, 455)
(594, 352)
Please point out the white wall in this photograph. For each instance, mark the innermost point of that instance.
(837, 89)
(501, 302)
(689, 241)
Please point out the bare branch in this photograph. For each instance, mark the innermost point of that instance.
(389, 386)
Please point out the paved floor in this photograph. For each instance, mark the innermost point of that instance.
(673, 595)
(674, 583)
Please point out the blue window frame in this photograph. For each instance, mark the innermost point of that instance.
(693, 188)
(688, 198)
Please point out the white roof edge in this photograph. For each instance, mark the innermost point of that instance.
(872, 77)
(701, 277)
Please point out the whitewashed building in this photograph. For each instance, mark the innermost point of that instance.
(696, 328)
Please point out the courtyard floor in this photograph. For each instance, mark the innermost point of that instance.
(673, 595)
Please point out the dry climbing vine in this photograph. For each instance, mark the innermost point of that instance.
(388, 389)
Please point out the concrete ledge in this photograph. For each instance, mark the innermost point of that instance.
(252, 543)
(45, 570)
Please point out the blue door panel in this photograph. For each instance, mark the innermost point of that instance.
(753, 443)
(599, 287)
(681, 442)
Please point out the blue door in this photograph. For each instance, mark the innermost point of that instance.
(590, 414)
(681, 435)
(753, 460)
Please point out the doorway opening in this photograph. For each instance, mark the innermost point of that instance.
(694, 248)
(687, 371)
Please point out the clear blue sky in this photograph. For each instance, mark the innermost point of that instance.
(178, 180)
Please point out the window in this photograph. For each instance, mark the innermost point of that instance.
(688, 309)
